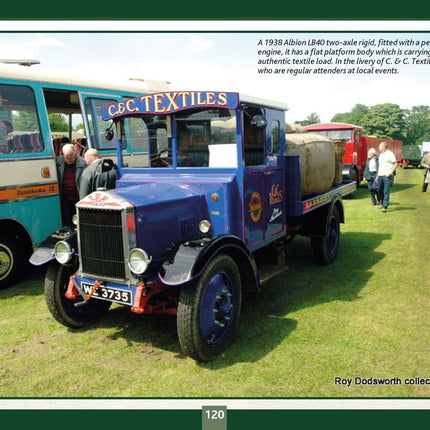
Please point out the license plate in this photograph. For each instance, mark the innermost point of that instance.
(108, 293)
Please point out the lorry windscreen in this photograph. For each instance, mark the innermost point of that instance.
(194, 138)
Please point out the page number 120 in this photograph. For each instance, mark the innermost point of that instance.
(214, 418)
(215, 414)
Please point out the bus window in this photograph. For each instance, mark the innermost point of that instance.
(19, 122)
(64, 113)
(97, 126)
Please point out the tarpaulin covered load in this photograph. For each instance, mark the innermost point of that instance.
(317, 160)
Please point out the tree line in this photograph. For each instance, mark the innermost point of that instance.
(386, 120)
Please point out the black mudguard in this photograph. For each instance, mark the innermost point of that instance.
(190, 259)
(45, 251)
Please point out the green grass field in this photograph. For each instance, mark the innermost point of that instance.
(365, 316)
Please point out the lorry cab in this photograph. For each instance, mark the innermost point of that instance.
(351, 134)
(230, 145)
(355, 146)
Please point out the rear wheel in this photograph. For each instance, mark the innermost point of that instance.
(64, 309)
(208, 310)
(325, 248)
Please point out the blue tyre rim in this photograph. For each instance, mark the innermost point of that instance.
(217, 309)
(333, 236)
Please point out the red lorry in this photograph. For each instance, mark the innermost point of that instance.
(356, 146)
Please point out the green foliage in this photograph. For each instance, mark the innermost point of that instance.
(355, 117)
(385, 120)
(27, 121)
(388, 120)
(417, 125)
(58, 122)
(312, 118)
(80, 127)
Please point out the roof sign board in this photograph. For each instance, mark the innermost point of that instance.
(170, 102)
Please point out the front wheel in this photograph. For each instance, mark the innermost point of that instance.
(325, 248)
(208, 310)
(64, 309)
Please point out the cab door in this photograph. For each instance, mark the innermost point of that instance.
(254, 172)
(274, 179)
(264, 187)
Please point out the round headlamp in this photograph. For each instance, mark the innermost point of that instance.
(62, 251)
(205, 226)
(138, 261)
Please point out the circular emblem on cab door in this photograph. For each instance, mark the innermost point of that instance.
(255, 206)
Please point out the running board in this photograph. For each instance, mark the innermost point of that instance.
(269, 271)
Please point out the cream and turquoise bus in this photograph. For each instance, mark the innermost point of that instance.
(30, 102)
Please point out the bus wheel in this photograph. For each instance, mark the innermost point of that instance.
(64, 309)
(11, 259)
(208, 310)
(325, 248)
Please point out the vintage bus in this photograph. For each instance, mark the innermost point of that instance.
(30, 102)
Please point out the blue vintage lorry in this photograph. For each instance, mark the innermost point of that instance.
(207, 217)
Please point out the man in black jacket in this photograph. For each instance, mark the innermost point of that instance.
(99, 173)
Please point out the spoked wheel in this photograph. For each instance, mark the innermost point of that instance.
(64, 309)
(208, 310)
(325, 248)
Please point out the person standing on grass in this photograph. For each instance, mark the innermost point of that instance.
(387, 167)
(370, 172)
(425, 162)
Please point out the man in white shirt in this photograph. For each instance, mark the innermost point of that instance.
(387, 167)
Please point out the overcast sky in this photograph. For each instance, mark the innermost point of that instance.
(223, 61)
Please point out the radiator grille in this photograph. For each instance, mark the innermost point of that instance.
(101, 243)
(187, 227)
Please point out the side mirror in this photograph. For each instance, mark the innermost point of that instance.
(109, 133)
(259, 121)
